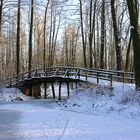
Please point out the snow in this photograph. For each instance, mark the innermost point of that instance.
(122, 100)
(11, 94)
(98, 112)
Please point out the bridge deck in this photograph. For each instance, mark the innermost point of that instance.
(65, 74)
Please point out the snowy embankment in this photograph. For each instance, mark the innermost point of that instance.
(121, 100)
(92, 99)
(11, 94)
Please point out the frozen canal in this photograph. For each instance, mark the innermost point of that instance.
(42, 120)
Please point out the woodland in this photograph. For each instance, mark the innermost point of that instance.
(101, 34)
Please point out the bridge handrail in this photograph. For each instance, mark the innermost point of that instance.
(103, 74)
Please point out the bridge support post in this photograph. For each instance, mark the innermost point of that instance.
(53, 91)
(27, 90)
(68, 89)
(76, 85)
(36, 90)
(45, 89)
(59, 96)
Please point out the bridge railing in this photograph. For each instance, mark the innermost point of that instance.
(74, 72)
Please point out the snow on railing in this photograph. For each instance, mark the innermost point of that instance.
(74, 72)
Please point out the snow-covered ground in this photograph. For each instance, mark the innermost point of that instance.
(94, 113)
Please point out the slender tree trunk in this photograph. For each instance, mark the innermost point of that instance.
(82, 32)
(1, 12)
(134, 18)
(91, 30)
(128, 54)
(116, 37)
(30, 36)
(50, 37)
(45, 20)
(18, 40)
(66, 49)
(53, 39)
(102, 50)
(97, 46)
(56, 35)
(90, 36)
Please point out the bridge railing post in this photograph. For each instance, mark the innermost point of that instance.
(35, 74)
(22, 77)
(86, 76)
(10, 82)
(29, 75)
(111, 80)
(123, 76)
(59, 95)
(97, 77)
(45, 72)
(131, 77)
(78, 74)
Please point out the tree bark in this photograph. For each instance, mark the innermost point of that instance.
(133, 12)
(116, 37)
(1, 12)
(18, 40)
(30, 36)
(82, 32)
(102, 54)
(128, 54)
(45, 20)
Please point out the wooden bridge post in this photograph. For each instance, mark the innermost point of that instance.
(53, 91)
(111, 80)
(68, 89)
(97, 77)
(36, 90)
(59, 96)
(86, 77)
(45, 90)
(27, 90)
(76, 85)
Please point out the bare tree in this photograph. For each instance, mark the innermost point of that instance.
(134, 18)
(18, 40)
(102, 50)
(82, 31)
(45, 20)
(1, 13)
(116, 36)
(30, 36)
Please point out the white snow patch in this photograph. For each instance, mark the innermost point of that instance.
(11, 94)
(122, 100)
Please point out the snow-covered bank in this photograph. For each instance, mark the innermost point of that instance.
(11, 94)
(122, 100)
(92, 99)
(43, 119)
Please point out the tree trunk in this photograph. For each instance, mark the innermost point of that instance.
(127, 62)
(44, 51)
(102, 54)
(1, 12)
(134, 18)
(116, 37)
(82, 32)
(50, 36)
(30, 36)
(18, 40)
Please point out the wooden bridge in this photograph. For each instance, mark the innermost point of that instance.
(30, 82)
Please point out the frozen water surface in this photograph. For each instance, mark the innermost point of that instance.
(89, 114)
(44, 120)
